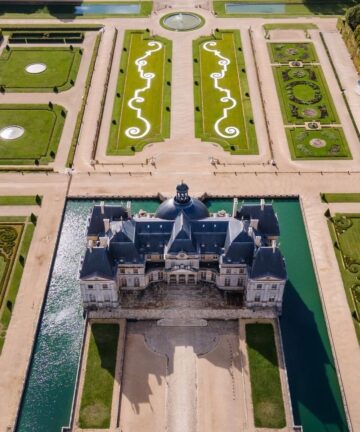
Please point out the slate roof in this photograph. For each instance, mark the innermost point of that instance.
(97, 263)
(96, 225)
(268, 262)
(268, 222)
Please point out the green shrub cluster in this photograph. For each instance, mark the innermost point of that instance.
(352, 17)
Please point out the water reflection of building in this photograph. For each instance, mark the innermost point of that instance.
(182, 244)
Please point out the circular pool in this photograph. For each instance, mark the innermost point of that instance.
(182, 21)
(35, 68)
(11, 132)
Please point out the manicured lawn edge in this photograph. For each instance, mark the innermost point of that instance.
(72, 75)
(99, 377)
(347, 282)
(14, 283)
(265, 380)
(245, 100)
(80, 116)
(290, 26)
(6, 200)
(54, 141)
(340, 197)
(112, 147)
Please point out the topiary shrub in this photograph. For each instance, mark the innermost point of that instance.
(352, 16)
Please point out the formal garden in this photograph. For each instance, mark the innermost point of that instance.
(266, 390)
(141, 110)
(40, 69)
(30, 134)
(223, 112)
(326, 143)
(287, 52)
(345, 234)
(15, 239)
(95, 409)
(304, 95)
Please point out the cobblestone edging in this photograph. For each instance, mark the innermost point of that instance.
(328, 328)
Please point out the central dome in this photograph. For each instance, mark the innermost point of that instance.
(182, 202)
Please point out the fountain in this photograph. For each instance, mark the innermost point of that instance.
(182, 21)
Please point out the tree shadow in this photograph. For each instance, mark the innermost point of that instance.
(329, 7)
(310, 366)
(106, 338)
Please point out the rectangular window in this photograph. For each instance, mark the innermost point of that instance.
(227, 282)
(257, 298)
(151, 277)
(122, 271)
(90, 286)
(258, 286)
(92, 297)
(106, 298)
(271, 299)
(273, 286)
(136, 271)
(213, 277)
(203, 275)
(136, 282)
(161, 275)
(105, 286)
(241, 271)
(228, 271)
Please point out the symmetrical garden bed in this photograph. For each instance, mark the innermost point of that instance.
(266, 390)
(141, 111)
(345, 233)
(304, 95)
(287, 52)
(62, 66)
(15, 238)
(223, 111)
(317, 144)
(42, 125)
(305, 100)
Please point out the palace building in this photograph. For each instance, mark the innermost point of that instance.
(182, 244)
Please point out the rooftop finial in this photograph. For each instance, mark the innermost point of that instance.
(182, 195)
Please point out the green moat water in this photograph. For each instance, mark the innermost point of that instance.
(314, 387)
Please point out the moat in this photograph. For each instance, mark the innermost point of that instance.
(315, 392)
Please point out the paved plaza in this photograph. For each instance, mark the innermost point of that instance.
(206, 168)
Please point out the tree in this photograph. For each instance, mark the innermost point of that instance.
(352, 16)
(357, 35)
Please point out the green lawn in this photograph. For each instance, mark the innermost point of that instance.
(304, 95)
(326, 143)
(223, 112)
(95, 409)
(264, 376)
(340, 197)
(38, 145)
(286, 52)
(290, 26)
(20, 200)
(345, 234)
(62, 68)
(11, 266)
(141, 110)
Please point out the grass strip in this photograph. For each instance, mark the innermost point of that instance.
(80, 116)
(14, 284)
(209, 108)
(340, 197)
(290, 26)
(95, 408)
(265, 377)
(18, 200)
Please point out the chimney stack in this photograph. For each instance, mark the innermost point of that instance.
(262, 204)
(102, 204)
(235, 207)
(106, 225)
(273, 245)
(128, 208)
